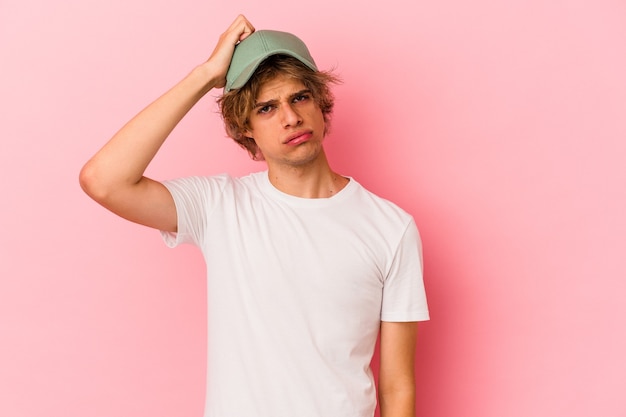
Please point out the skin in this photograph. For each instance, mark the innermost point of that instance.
(396, 379)
(288, 127)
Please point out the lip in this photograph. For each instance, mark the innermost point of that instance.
(298, 137)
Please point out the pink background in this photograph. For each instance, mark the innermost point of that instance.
(500, 126)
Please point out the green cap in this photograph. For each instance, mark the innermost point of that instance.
(253, 50)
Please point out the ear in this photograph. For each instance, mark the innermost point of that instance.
(258, 156)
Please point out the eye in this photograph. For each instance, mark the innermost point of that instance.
(265, 109)
(301, 97)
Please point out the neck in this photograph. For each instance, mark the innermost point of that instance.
(315, 180)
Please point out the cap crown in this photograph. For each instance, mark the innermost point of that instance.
(261, 44)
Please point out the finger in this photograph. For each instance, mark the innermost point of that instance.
(243, 27)
(248, 30)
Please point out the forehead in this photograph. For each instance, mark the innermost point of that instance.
(279, 87)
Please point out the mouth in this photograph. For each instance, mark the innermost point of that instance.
(298, 138)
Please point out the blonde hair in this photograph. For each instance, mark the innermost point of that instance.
(236, 105)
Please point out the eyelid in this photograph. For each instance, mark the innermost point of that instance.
(261, 108)
(304, 94)
(301, 97)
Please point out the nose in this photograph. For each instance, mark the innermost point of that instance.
(290, 116)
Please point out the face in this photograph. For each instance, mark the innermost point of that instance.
(287, 124)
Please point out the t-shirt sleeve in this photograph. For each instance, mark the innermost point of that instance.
(195, 198)
(404, 296)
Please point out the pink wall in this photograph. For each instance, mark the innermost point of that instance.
(500, 125)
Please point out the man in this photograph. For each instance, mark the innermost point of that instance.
(304, 266)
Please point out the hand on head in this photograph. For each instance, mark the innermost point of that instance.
(220, 58)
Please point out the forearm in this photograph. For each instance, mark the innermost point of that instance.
(124, 159)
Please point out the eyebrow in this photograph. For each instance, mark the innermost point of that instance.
(272, 101)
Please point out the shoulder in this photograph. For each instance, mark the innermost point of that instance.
(198, 182)
(213, 183)
(380, 206)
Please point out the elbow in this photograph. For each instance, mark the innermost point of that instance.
(405, 392)
(400, 402)
(86, 178)
(397, 395)
(91, 183)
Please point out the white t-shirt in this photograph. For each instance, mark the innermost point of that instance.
(296, 291)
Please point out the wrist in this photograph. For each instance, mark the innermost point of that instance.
(206, 77)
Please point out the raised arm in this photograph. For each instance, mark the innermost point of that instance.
(114, 176)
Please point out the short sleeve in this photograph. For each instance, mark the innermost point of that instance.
(195, 198)
(404, 295)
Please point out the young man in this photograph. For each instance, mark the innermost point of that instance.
(304, 266)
